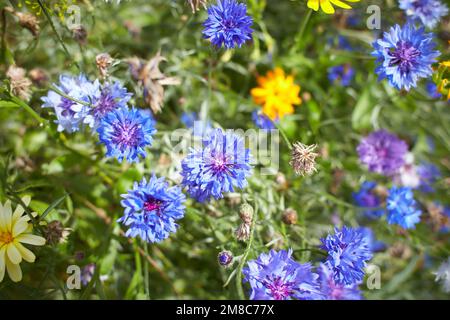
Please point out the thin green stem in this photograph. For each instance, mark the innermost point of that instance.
(301, 32)
(47, 15)
(54, 88)
(28, 109)
(283, 134)
(246, 252)
(146, 277)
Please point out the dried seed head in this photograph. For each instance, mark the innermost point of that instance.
(20, 84)
(303, 159)
(79, 33)
(243, 232)
(246, 213)
(55, 233)
(290, 216)
(28, 21)
(225, 258)
(195, 4)
(38, 76)
(103, 61)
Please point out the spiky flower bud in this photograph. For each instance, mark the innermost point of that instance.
(243, 232)
(20, 84)
(195, 4)
(103, 61)
(303, 159)
(225, 258)
(290, 216)
(55, 232)
(246, 213)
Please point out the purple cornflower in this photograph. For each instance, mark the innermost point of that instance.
(126, 132)
(262, 121)
(342, 74)
(66, 110)
(382, 152)
(404, 55)
(276, 276)
(402, 208)
(335, 291)
(220, 166)
(368, 200)
(348, 250)
(152, 208)
(228, 24)
(428, 12)
(428, 174)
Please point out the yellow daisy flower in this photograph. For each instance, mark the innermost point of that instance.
(15, 229)
(277, 93)
(327, 5)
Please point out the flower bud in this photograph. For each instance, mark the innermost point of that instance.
(290, 216)
(246, 213)
(225, 258)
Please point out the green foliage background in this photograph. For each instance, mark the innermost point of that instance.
(35, 159)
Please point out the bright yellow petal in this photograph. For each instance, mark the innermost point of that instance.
(340, 4)
(31, 239)
(313, 4)
(13, 253)
(14, 271)
(26, 254)
(19, 228)
(326, 6)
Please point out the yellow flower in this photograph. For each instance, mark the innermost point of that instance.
(327, 5)
(15, 229)
(445, 63)
(277, 94)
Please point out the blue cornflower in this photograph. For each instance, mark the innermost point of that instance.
(276, 276)
(374, 244)
(429, 12)
(432, 90)
(112, 96)
(428, 174)
(335, 291)
(189, 118)
(366, 198)
(404, 55)
(126, 132)
(402, 208)
(228, 24)
(192, 121)
(262, 121)
(342, 74)
(66, 110)
(221, 165)
(152, 208)
(348, 251)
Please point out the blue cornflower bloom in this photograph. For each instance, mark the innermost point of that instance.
(126, 132)
(342, 74)
(374, 244)
(366, 198)
(228, 24)
(404, 55)
(192, 121)
(152, 208)
(348, 250)
(112, 96)
(429, 12)
(276, 276)
(262, 121)
(432, 90)
(220, 166)
(402, 208)
(336, 291)
(189, 118)
(66, 110)
(428, 174)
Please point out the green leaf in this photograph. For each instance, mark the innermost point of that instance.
(363, 111)
(52, 206)
(8, 104)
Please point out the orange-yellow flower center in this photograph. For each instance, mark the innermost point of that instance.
(6, 237)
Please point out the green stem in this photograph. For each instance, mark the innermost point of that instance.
(28, 109)
(47, 15)
(246, 252)
(299, 37)
(146, 278)
(54, 88)
(283, 134)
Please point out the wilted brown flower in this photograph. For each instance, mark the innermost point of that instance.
(103, 61)
(20, 84)
(26, 20)
(289, 216)
(79, 33)
(55, 232)
(38, 76)
(303, 159)
(246, 213)
(152, 79)
(243, 232)
(438, 218)
(195, 4)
